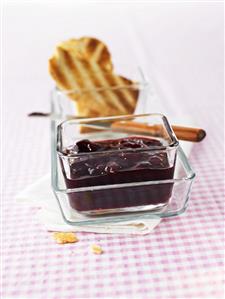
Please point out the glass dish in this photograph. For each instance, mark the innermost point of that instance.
(162, 191)
(64, 103)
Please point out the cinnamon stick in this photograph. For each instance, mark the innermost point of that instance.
(189, 134)
(182, 133)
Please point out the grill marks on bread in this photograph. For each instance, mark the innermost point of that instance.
(84, 65)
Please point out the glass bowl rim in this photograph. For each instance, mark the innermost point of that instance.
(173, 144)
(141, 84)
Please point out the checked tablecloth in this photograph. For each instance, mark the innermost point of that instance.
(183, 257)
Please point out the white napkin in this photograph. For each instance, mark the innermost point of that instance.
(39, 194)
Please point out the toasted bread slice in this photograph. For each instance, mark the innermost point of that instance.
(117, 94)
(71, 57)
(90, 49)
(84, 66)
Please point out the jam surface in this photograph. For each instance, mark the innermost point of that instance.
(110, 162)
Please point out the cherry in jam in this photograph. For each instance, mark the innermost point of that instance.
(114, 162)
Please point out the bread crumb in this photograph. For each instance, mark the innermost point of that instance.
(63, 238)
(96, 249)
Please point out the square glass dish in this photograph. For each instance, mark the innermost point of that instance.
(65, 104)
(118, 168)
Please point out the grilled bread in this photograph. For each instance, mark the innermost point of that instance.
(84, 67)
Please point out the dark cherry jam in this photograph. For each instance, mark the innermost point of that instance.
(111, 162)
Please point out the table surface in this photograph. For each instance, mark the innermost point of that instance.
(182, 51)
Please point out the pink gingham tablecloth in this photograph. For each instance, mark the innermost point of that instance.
(183, 257)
